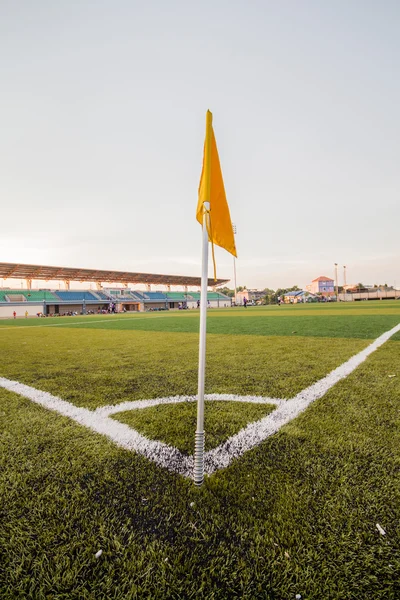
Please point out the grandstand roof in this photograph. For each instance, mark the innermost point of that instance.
(20, 271)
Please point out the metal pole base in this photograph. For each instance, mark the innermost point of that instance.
(199, 458)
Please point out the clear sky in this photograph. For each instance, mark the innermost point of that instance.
(102, 122)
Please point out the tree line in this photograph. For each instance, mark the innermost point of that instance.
(270, 296)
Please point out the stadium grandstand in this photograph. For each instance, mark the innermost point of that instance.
(52, 302)
(68, 274)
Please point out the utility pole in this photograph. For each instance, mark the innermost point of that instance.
(337, 298)
(344, 279)
(234, 266)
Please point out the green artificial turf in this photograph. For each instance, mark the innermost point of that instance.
(99, 367)
(175, 424)
(298, 514)
(365, 320)
(327, 326)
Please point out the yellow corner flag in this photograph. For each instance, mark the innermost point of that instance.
(211, 189)
(213, 214)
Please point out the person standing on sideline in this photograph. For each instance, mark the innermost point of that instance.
(245, 302)
(26, 314)
(14, 314)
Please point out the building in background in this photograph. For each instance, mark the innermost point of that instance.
(322, 285)
(253, 296)
(300, 296)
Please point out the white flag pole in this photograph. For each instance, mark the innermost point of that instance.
(199, 438)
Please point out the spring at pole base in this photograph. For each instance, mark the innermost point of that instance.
(199, 458)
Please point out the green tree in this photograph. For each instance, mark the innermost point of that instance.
(281, 291)
(269, 296)
(227, 291)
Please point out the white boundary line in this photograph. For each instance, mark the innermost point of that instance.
(107, 319)
(171, 458)
(137, 404)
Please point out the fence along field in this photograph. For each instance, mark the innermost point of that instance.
(310, 495)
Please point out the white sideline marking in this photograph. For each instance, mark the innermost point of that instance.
(123, 435)
(137, 404)
(68, 324)
(218, 458)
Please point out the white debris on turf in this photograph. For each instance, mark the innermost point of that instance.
(98, 554)
(380, 529)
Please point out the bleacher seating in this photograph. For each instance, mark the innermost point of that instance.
(121, 295)
(177, 296)
(138, 295)
(32, 295)
(69, 296)
(155, 296)
(151, 299)
(103, 296)
(210, 296)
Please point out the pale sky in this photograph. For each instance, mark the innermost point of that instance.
(102, 123)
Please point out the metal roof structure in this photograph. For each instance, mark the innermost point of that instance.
(67, 274)
(298, 293)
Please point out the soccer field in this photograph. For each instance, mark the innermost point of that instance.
(295, 512)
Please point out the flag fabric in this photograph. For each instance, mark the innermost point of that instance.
(212, 190)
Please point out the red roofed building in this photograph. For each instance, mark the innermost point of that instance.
(322, 285)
